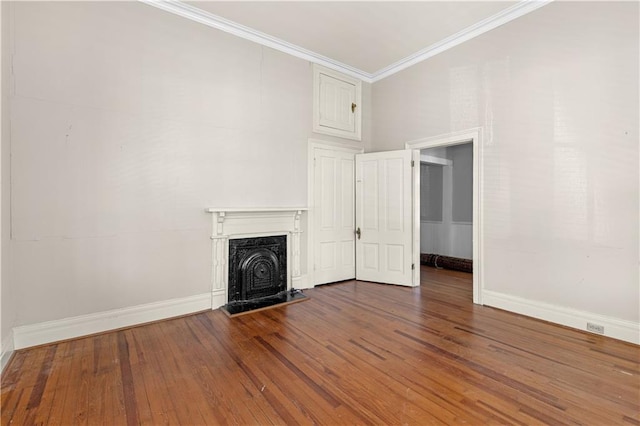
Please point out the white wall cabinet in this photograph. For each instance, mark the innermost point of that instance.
(337, 104)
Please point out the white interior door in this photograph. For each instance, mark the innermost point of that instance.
(387, 212)
(334, 204)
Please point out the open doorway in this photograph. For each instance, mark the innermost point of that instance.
(446, 208)
(457, 240)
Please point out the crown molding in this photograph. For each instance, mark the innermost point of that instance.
(198, 15)
(507, 15)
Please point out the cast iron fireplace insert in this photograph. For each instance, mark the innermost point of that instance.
(257, 267)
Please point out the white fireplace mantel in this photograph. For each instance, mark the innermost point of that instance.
(254, 209)
(248, 222)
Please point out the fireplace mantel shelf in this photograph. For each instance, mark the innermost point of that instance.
(253, 209)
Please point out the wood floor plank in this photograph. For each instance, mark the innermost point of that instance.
(60, 390)
(355, 353)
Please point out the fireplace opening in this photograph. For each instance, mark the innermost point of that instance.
(257, 267)
(258, 274)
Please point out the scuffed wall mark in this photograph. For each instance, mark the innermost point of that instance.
(66, 136)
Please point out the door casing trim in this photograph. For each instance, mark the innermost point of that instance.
(473, 135)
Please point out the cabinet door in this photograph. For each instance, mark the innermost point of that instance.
(337, 99)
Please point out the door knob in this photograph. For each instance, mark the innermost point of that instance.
(358, 233)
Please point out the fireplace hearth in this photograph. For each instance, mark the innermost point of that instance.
(283, 298)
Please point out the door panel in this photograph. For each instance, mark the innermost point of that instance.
(348, 195)
(336, 97)
(349, 254)
(369, 192)
(327, 255)
(394, 193)
(334, 204)
(384, 215)
(395, 257)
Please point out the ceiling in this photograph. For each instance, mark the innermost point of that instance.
(367, 39)
(365, 35)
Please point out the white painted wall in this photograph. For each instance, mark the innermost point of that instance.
(452, 239)
(127, 122)
(556, 93)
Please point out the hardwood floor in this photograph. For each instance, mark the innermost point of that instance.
(355, 353)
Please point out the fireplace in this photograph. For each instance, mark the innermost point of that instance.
(231, 225)
(257, 267)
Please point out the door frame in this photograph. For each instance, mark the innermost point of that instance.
(311, 147)
(474, 136)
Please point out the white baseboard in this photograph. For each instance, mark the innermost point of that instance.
(6, 350)
(615, 328)
(218, 299)
(301, 283)
(68, 328)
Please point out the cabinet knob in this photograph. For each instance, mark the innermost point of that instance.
(353, 107)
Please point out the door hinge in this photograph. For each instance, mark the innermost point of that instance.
(413, 163)
(413, 266)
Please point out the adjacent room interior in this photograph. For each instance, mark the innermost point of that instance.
(446, 207)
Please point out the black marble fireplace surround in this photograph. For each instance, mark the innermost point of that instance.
(257, 268)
